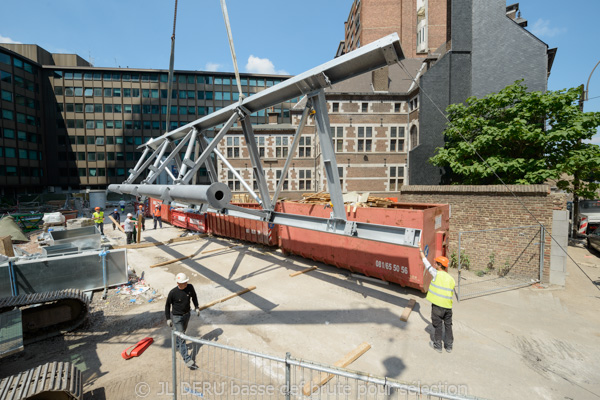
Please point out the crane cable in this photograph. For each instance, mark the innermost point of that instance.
(171, 64)
(230, 37)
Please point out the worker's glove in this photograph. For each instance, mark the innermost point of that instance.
(198, 312)
(170, 323)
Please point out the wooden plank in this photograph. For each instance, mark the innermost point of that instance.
(221, 248)
(231, 296)
(311, 387)
(117, 224)
(6, 246)
(407, 310)
(186, 238)
(138, 245)
(172, 261)
(139, 229)
(303, 271)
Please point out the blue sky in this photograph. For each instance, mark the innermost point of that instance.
(270, 36)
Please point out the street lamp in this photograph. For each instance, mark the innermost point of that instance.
(587, 86)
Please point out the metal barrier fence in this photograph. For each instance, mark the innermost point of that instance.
(225, 372)
(494, 260)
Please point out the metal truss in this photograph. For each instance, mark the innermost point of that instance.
(311, 84)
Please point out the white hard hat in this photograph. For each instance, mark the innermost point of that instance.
(181, 278)
(129, 214)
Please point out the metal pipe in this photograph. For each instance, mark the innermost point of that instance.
(188, 153)
(382, 52)
(103, 254)
(216, 194)
(174, 361)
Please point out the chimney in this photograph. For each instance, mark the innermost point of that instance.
(380, 79)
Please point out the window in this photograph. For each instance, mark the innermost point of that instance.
(414, 137)
(364, 142)
(99, 141)
(21, 136)
(4, 58)
(364, 107)
(396, 107)
(91, 156)
(9, 133)
(260, 143)
(78, 91)
(23, 155)
(335, 107)
(285, 182)
(82, 171)
(304, 179)
(281, 146)
(10, 152)
(5, 77)
(88, 92)
(341, 175)
(397, 138)
(232, 182)
(90, 140)
(233, 147)
(6, 114)
(396, 178)
(337, 135)
(304, 146)
(58, 90)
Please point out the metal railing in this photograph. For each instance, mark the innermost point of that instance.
(225, 372)
(494, 260)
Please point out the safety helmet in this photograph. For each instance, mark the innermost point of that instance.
(116, 210)
(97, 208)
(442, 260)
(129, 214)
(181, 278)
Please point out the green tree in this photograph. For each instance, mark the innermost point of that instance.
(525, 137)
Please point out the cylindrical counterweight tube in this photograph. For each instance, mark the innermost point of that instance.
(217, 194)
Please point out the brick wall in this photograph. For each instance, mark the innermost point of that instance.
(491, 207)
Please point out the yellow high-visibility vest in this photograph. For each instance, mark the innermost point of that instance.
(98, 217)
(441, 290)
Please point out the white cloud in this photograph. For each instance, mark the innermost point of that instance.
(259, 65)
(212, 67)
(4, 39)
(542, 28)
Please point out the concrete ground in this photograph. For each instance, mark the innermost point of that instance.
(536, 343)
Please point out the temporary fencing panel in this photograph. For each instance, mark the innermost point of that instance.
(494, 260)
(389, 262)
(242, 228)
(225, 372)
(178, 218)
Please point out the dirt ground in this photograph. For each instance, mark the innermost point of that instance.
(528, 343)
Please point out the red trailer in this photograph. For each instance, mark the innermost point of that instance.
(178, 218)
(196, 222)
(388, 262)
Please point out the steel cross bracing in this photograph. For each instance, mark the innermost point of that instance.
(311, 84)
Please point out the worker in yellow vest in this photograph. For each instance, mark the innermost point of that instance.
(98, 218)
(440, 294)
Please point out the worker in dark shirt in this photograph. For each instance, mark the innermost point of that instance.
(178, 304)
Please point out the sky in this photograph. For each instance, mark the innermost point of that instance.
(270, 36)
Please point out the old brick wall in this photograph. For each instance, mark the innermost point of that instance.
(491, 207)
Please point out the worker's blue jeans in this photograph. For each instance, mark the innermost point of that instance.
(442, 316)
(180, 322)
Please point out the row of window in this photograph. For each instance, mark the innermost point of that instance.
(155, 77)
(91, 172)
(99, 156)
(20, 118)
(101, 140)
(21, 136)
(19, 99)
(11, 170)
(19, 81)
(364, 107)
(18, 63)
(23, 154)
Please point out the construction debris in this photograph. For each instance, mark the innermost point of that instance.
(303, 271)
(407, 310)
(351, 199)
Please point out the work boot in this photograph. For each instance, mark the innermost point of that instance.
(191, 365)
(433, 346)
(448, 349)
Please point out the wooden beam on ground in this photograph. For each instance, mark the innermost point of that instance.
(172, 261)
(139, 229)
(186, 238)
(231, 296)
(138, 245)
(311, 387)
(407, 310)
(117, 224)
(293, 274)
(6, 246)
(222, 248)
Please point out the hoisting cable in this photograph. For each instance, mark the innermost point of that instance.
(171, 64)
(495, 174)
(230, 37)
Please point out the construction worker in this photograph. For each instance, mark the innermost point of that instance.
(441, 291)
(179, 301)
(98, 217)
(117, 217)
(122, 205)
(140, 216)
(129, 228)
(156, 216)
